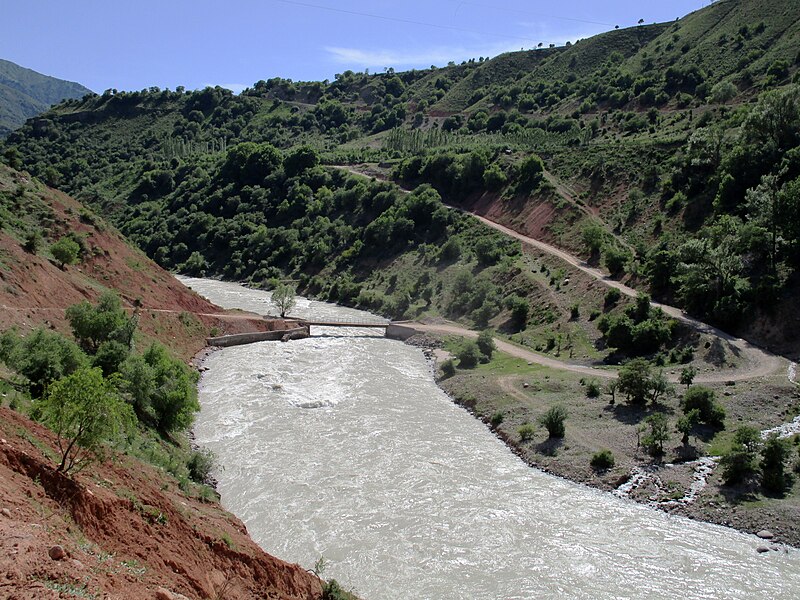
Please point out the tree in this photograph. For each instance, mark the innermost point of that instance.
(65, 251)
(702, 399)
(635, 380)
(553, 421)
(739, 462)
(773, 461)
(486, 344)
(723, 92)
(469, 355)
(686, 424)
(42, 357)
(687, 376)
(92, 326)
(520, 310)
(283, 297)
(174, 397)
(654, 440)
(84, 410)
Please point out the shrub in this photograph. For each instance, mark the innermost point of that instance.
(486, 344)
(33, 241)
(654, 440)
(520, 311)
(65, 251)
(615, 260)
(604, 459)
(740, 461)
(612, 297)
(200, 464)
(702, 398)
(553, 421)
(593, 389)
(496, 419)
(773, 458)
(469, 355)
(448, 368)
(526, 432)
(575, 311)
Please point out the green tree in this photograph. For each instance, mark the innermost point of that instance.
(654, 440)
(635, 380)
(723, 92)
(686, 423)
(174, 397)
(520, 311)
(486, 344)
(741, 460)
(84, 410)
(94, 325)
(702, 399)
(553, 421)
(469, 355)
(42, 357)
(687, 376)
(774, 455)
(283, 297)
(65, 251)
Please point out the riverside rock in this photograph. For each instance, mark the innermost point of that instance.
(765, 534)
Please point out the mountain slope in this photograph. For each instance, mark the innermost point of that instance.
(24, 93)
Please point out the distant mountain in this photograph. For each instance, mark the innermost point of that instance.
(25, 93)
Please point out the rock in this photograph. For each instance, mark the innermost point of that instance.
(164, 594)
(5, 512)
(525, 385)
(765, 534)
(762, 549)
(57, 552)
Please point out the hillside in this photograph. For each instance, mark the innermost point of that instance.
(641, 132)
(124, 524)
(24, 93)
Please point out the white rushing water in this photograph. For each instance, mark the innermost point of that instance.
(408, 496)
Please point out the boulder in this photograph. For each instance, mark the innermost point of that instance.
(57, 552)
(765, 534)
(762, 549)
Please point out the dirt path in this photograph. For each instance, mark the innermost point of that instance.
(756, 361)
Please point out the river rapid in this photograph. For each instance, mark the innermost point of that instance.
(342, 446)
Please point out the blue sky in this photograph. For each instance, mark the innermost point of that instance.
(234, 43)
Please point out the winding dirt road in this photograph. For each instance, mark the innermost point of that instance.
(755, 362)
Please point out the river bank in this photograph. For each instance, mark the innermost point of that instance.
(684, 486)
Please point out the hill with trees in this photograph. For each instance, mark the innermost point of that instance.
(666, 153)
(24, 93)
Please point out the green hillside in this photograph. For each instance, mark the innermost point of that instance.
(25, 93)
(667, 154)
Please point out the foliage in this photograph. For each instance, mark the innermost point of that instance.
(653, 440)
(486, 344)
(469, 355)
(526, 432)
(84, 410)
(448, 368)
(65, 251)
(741, 460)
(283, 297)
(593, 389)
(553, 421)
(686, 424)
(638, 330)
(774, 455)
(93, 326)
(520, 311)
(200, 464)
(602, 460)
(42, 357)
(702, 399)
(637, 380)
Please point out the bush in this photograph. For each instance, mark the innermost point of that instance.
(604, 459)
(526, 432)
(469, 355)
(200, 464)
(773, 458)
(496, 419)
(33, 241)
(702, 398)
(593, 389)
(65, 251)
(553, 421)
(740, 461)
(615, 260)
(448, 368)
(612, 297)
(486, 344)
(520, 311)
(654, 440)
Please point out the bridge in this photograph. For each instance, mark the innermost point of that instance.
(348, 323)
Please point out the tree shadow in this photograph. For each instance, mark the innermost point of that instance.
(550, 446)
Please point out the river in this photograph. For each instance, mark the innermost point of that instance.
(342, 446)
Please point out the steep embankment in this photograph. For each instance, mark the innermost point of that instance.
(124, 530)
(35, 290)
